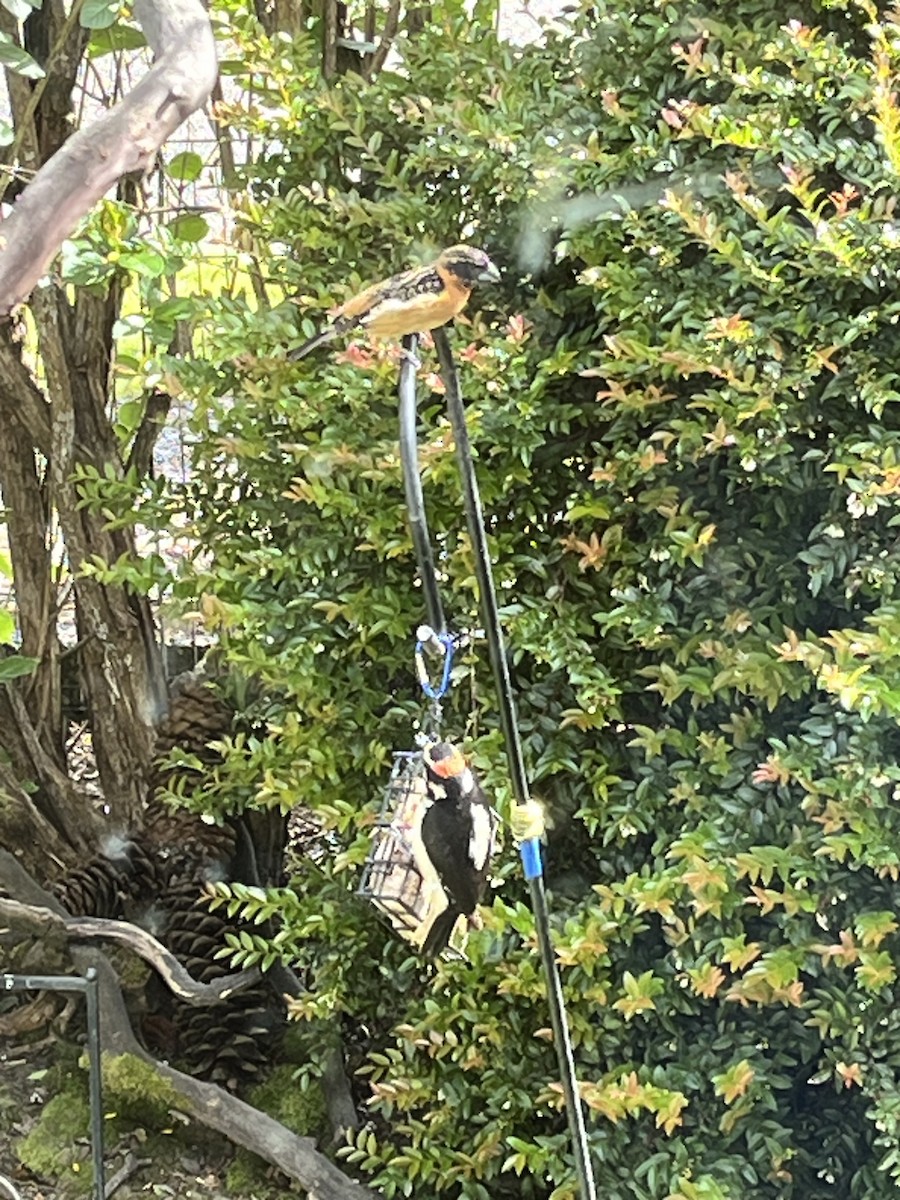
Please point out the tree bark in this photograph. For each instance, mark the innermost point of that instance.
(28, 528)
(205, 1102)
(41, 847)
(44, 923)
(118, 659)
(125, 139)
(57, 799)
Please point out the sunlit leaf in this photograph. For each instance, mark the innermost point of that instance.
(16, 665)
(17, 59)
(98, 14)
(21, 9)
(115, 37)
(189, 227)
(185, 167)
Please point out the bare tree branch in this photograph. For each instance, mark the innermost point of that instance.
(122, 141)
(31, 551)
(140, 456)
(18, 882)
(22, 824)
(331, 27)
(38, 124)
(205, 1102)
(391, 25)
(222, 136)
(42, 921)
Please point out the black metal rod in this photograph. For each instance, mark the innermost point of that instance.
(43, 983)
(89, 986)
(95, 1081)
(412, 483)
(509, 725)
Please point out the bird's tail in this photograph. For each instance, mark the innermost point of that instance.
(439, 934)
(307, 348)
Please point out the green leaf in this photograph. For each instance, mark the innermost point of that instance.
(185, 167)
(98, 14)
(81, 263)
(876, 970)
(7, 627)
(129, 415)
(17, 59)
(16, 665)
(114, 38)
(144, 262)
(21, 9)
(189, 227)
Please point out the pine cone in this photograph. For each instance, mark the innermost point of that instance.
(229, 1042)
(111, 884)
(186, 848)
(197, 716)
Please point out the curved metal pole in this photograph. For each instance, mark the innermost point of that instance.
(530, 849)
(412, 483)
(88, 985)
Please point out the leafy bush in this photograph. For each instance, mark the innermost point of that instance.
(684, 406)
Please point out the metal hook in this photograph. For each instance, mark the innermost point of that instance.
(445, 644)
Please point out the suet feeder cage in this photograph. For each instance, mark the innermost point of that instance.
(391, 877)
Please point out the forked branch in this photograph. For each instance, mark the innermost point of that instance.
(122, 141)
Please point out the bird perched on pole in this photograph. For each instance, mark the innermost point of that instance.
(412, 301)
(458, 833)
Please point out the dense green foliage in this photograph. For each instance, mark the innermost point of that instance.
(684, 402)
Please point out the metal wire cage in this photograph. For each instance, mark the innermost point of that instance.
(393, 876)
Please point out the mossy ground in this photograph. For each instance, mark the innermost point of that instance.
(299, 1108)
(57, 1147)
(49, 1099)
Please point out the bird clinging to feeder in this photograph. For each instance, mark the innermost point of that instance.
(411, 302)
(458, 835)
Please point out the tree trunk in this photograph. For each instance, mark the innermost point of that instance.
(50, 433)
(120, 668)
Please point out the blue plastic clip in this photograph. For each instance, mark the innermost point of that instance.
(530, 851)
(446, 642)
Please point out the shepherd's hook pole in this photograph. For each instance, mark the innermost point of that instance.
(531, 848)
(88, 985)
(412, 483)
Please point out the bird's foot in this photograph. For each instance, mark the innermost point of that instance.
(411, 357)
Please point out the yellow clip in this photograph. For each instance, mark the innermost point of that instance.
(527, 821)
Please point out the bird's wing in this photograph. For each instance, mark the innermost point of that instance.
(391, 295)
(410, 302)
(446, 839)
(481, 837)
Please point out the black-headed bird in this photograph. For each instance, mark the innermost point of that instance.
(458, 833)
(411, 302)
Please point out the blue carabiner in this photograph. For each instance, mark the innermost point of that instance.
(447, 644)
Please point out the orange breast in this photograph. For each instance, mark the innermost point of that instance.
(422, 312)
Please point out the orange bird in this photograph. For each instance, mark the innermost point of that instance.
(412, 301)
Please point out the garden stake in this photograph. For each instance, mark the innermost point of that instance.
(86, 984)
(434, 636)
(530, 846)
(412, 485)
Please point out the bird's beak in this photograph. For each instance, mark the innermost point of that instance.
(488, 274)
(448, 768)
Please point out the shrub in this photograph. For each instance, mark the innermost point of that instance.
(683, 402)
